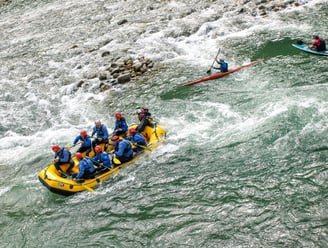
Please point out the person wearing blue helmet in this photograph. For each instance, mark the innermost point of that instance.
(223, 65)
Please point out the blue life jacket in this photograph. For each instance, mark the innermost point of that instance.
(63, 155)
(102, 158)
(137, 138)
(123, 149)
(85, 166)
(224, 66)
(101, 132)
(121, 123)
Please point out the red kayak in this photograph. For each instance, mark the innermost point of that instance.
(222, 74)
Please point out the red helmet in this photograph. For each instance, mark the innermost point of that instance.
(118, 115)
(55, 148)
(132, 131)
(78, 155)
(83, 133)
(144, 108)
(114, 138)
(98, 149)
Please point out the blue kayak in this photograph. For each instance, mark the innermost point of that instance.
(305, 48)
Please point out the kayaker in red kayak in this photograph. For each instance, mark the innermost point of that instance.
(223, 65)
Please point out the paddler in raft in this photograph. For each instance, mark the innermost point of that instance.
(102, 134)
(101, 159)
(144, 117)
(121, 127)
(86, 168)
(137, 139)
(85, 141)
(123, 150)
(62, 156)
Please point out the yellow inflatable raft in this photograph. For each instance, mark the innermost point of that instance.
(61, 184)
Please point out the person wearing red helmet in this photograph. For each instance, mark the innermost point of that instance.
(141, 112)
(121, 127)
(145, 119)
(85, 141)
(62, 156)
(137, 139)
(86, 168)
(123, 150)
(101, 158)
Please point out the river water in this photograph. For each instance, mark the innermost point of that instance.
(244, 163)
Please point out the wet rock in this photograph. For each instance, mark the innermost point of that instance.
(124, 78)
(91, 74)
(102, 76)
(127, 60)
(115, 75)
(120, 69)
(115, 70)
(122, 22)
(144, 68)
(104, 87)
(262, 12)
(137, 66)
(106, 53)
(79, 84)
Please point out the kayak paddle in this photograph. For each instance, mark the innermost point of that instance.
(209, 71)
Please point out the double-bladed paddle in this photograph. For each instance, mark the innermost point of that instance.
(209, 71)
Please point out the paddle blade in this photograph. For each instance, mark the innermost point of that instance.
(116, 161)
(209, 71)
(68, 147)
(88, 188)
(144, 147)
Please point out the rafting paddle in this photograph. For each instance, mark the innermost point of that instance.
(69, 147)
(69, 177)
(116, 161)
(86, 187)
(143, 147)
(209, 71)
